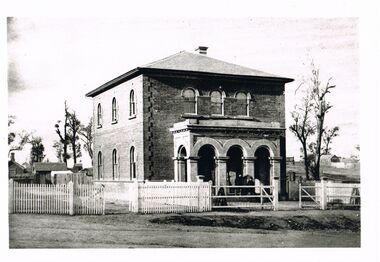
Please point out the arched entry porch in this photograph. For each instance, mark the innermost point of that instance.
(206, 163)
(234, 166)
(262, 166)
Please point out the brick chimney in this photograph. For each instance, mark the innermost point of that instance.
(202, 50)
(13, 157)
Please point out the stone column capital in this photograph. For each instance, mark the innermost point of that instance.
(275, 158)
(249, 158)
(221, 158)
(179, 158)
(193, 158)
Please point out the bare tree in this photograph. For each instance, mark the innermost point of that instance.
(63, 136)
(74, 128)
(321, 108)
(309, 123)
(327, 139)
(302, 127)
(87, 138)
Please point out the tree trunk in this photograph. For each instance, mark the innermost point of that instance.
(317, 158)
(306, 162)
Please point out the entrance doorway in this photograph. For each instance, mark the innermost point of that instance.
(206, 163)
(182, 167)
(262, 166)
(235, 166)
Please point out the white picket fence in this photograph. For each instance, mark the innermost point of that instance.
(327, 194)
(56, 199)
(169, 197)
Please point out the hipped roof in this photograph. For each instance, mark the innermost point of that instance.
(187, 63)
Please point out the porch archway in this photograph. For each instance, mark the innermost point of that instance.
(262, 166)
(206, 163)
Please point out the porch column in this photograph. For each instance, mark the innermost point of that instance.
(275, 171)
(221, 170)
(192, 168)
(176, 168)
(249, 166)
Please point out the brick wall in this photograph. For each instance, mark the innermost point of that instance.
(163, 106)
(122, 135)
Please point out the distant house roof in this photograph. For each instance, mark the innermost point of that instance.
(48, 166)
(14, 163)
(330, 158)
(190, 63)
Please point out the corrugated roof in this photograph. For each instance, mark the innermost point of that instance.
(191, 63)
(49, 166)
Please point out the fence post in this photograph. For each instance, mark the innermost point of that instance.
(210, 194)
(324, 193)
(134, 197)
(300, 194)
(275, 192)
(10, 196)
(103, 187)
(71, 198)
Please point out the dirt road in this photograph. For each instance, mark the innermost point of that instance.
(166, 230)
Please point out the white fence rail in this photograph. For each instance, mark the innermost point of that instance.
(169, 197)
(245, 197)
(327, 194)
(56, 199)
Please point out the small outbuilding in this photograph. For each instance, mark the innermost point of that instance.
(42, 171)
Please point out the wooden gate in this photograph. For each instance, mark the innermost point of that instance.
(246, 197)
(328, 194)
(309, 196)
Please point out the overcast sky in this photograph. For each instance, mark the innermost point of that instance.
(53, 60)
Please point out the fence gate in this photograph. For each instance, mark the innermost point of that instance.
(309, 196)
(245, 197)
(328, 194)
(89, 199)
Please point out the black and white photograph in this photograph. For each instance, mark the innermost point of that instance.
(178, 132)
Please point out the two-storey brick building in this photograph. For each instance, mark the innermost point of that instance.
(189, 116)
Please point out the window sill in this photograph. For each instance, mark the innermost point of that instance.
(220, 117)
(132, 117)
(114, 122)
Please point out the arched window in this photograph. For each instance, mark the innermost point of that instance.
(242, 104)
(100, 166)
(190, 103)
(132, 162)
(216, 103)
(99, 115)
(114, 110)
(114, 164)
(132, 104)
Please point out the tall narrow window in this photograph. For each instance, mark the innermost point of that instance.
(132, 104)
(100, 166)
(242, 104)
(190, 102)
(114, 110)
(132, 163)
(99, 115)
(114, 164)
(216, 103)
